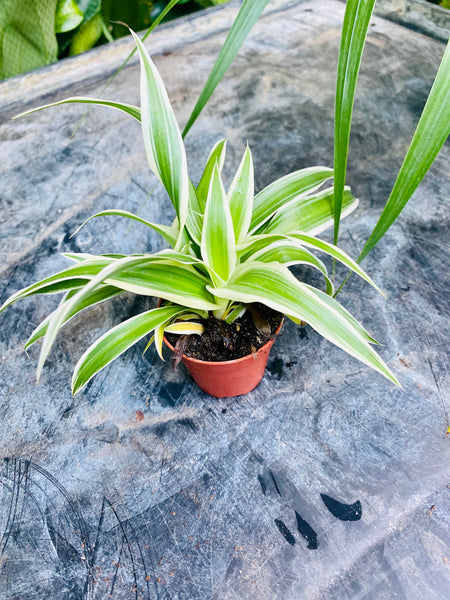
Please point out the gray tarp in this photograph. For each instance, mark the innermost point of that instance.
(143, 486)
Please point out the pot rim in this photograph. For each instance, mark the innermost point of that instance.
(227, 362)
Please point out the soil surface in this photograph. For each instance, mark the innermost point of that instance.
(222, 341)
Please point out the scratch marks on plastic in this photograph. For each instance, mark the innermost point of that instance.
(40, 518)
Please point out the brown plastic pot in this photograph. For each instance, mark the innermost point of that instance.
(229, 377)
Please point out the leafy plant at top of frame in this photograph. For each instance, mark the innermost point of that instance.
(227, 249)
(36, 33)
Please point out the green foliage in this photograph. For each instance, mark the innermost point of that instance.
(68, 16)
(431, 132)
(27, 35)
(87, 35)
(228, 249)
(247, 16)
(354, 31)
(34, 33)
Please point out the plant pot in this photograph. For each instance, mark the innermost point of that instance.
(229, 377)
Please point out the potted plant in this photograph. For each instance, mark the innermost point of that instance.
(229, 257)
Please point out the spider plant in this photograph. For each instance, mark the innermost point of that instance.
(227, 249)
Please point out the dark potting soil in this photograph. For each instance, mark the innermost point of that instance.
(222, 341)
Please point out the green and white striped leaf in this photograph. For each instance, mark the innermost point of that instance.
(217, 155)
(170, 234)
(289, 253)
(218, 246)
(73, 277)
(431, 132)
(240, 197)
(354, 30)
(277, 288)
(149, 276)
(129, 109)
(83, 256)
(182, 285)
(344, 313)
(336, 253)
(236, 311)
(194, 220)
(312, 214)
(101, 294)
(113, 343)
(162, 138)
(285, 189)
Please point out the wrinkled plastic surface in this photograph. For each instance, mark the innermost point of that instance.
(326, 481)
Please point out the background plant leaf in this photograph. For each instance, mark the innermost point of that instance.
(67, 16)
(431, 132)
(87, 35)
(247, 16)
(27, 35)
(89, 8)
(354, 30)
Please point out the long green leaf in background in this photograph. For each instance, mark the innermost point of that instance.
(247, 16)
(354, 31)
(431, 132)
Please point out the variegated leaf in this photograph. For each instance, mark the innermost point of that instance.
(240, 197)
(218, 246)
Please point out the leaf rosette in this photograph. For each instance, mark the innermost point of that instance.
(227, 249)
